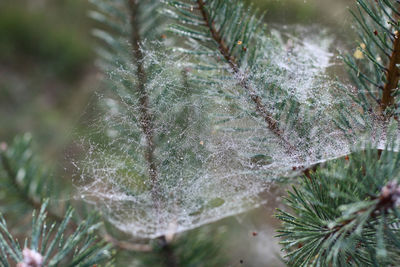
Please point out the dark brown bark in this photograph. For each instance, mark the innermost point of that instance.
(392, 75)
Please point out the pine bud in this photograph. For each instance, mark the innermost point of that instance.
(391, 190)
(3, 146)
(31, 259)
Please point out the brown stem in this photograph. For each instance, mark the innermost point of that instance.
(273, 125)
(145, 113)
(166, 249)
(124, 245)
(392, 75)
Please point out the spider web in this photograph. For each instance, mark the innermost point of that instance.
(214, 154)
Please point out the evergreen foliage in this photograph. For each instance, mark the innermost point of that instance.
(346, 213)
(225, 35)
(152, 123)
(151, 127)
(281, 92)
(53, 246)
(170, 142)
(196, 126)
(24, 182)
(230, 56)
(373, 67)
(64, 236)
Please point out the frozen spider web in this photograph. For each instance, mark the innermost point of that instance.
(213, 155)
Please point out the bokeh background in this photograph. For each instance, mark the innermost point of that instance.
(48, 78)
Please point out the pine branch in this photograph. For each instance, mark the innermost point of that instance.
(226, 50)
(381, 205)
(35, 202)
(47, 247)
(12, 178)
(231, 60)
(345, 213)
(141, 18)
(146, 121)
(139, 88)
(14, 158)
(29, 200)
(376, 73)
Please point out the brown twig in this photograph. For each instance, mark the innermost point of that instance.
(392, 75)
(127, 245)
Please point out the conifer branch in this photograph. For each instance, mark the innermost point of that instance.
(24, 196)
(146, 121)
(11, 175)
(132, 15)
(273, 124)
(378, 75)
(387, 200)
(51, 246)
(345, 213)
(36, 204)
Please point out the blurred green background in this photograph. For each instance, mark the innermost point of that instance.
(48, 78)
